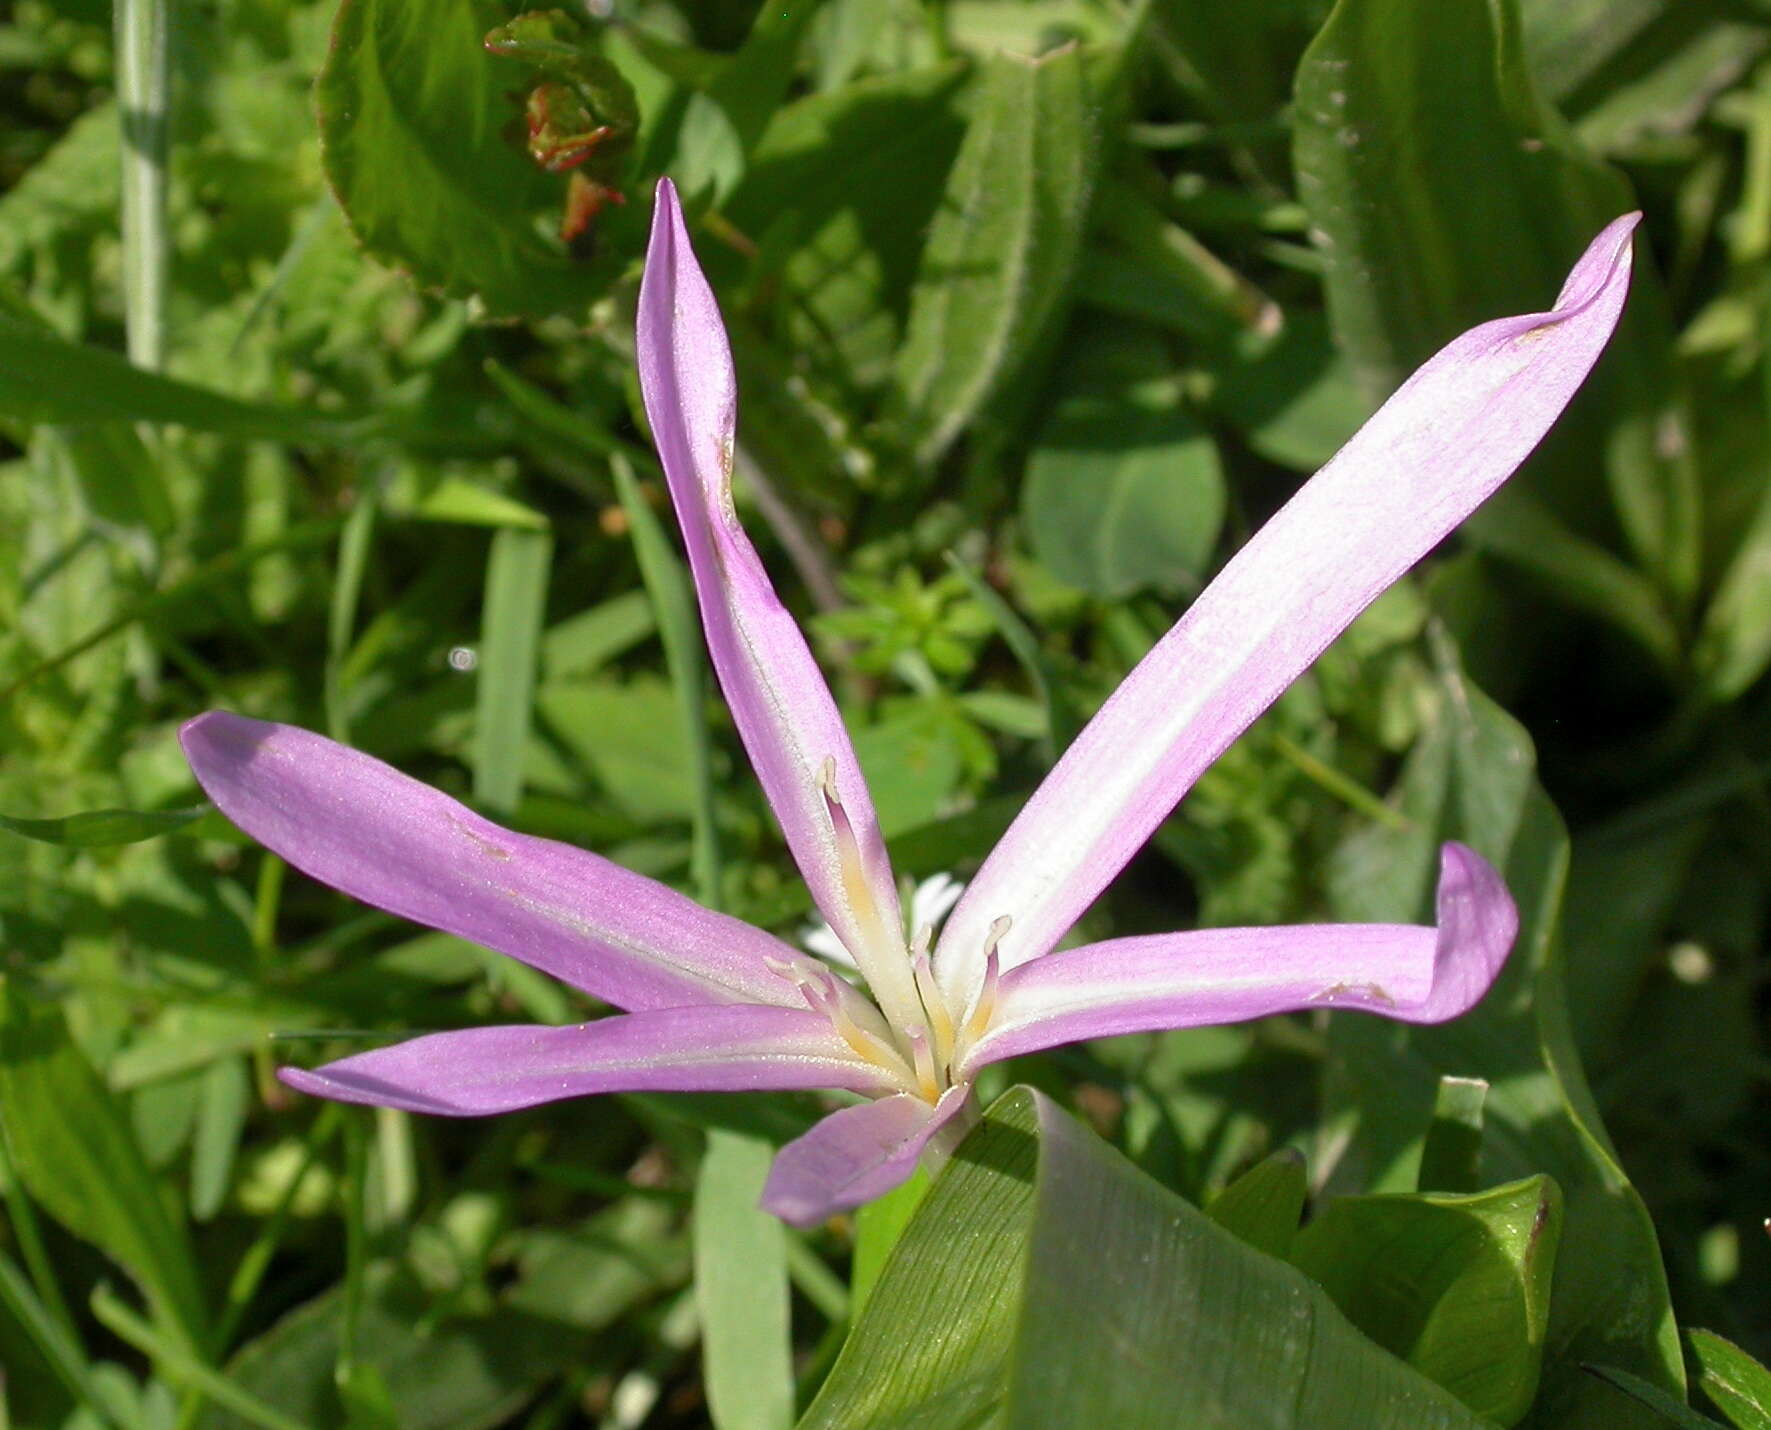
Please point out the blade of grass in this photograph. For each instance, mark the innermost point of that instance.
(741, 1288)
(1060, 719)
(510, 645)
(674, 605)
(143, 99)
(209, 573)
(64, 1355)
(354, 545)
(180, 1365)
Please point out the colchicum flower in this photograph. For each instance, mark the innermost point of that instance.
(712, 1003)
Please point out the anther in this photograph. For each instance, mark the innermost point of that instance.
(984, 1006)
(927, 1083)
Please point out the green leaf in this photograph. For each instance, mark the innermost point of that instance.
(1735, 644)
(997, 267)
(1665, 1409)
(1738, 1384)
(1265, 1204)
(221, 1118)
(1061, 719)
(457, 499)
(1119, 497)
(1470, 777)
(741, 1288)
(70, 1145)
(517, 569)
(1046, 1282)
(412, 113)
(99, 828)
(878, 1226)
(726, 115)
(1446, 193)
(459, 1374)
(184, 1367)
(673, 604)
(1451, 1157)
(1458, 1286)
(1523, 531)
(46, 378)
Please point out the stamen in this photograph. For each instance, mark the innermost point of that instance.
(934, 1003)
(848, 848)
(857, 1022)
(927, 1083)
(984, 1008)
(877, 942)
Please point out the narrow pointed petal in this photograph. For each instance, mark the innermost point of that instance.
(361, 826)
(1188, 980)
(855, 1155)
(732, 1047)
(784, 711)
(1439, 447)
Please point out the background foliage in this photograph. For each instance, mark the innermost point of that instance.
(1039, 308)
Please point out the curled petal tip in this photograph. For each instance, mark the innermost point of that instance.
(1478, 924)
(1607, 260)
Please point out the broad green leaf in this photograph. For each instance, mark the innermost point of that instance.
(467, 1373)
(741, 1288)
(1470, 777)
(997, 267)
(1046, 1282)
(69, 1143)
(589, 1275)
(1446, 193)
(515, 610)
(878, 1226)
(913, 764)
(1664, 1409)
(630, 736)
(1739, 1385)
(1118, 498)
(839, 195)
(1458, 1286)
(1265, 1204)
(412, 113)
(46, 378)
(98, 828)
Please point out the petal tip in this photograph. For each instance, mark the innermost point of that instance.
(1606, 263)
(218, 739)
(1478, 925)
(795, 1204)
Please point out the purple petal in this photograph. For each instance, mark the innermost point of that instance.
(1188, 980)
(731, 1047)
(1453, 432)
(855, 1155)
(361, 826)
(783, 708)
